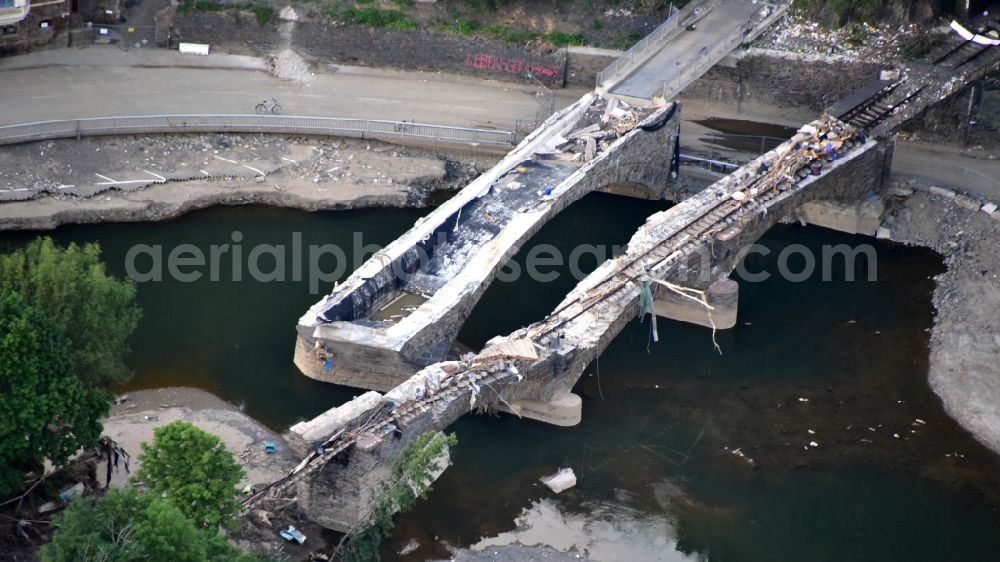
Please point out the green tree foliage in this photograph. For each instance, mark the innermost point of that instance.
(46, 412)
(412, 473)
(126, 526)
(194, 472)
(95, 312)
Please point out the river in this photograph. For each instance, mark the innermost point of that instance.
(682, 453)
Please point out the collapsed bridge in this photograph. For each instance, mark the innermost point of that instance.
(675, 259)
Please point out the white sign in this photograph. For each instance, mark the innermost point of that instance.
(193, 49)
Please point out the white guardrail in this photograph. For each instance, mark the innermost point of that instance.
(362, 128)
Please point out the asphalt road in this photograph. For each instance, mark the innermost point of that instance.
(104, 81)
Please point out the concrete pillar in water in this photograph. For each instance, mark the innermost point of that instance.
(722, 296)
(564, 409)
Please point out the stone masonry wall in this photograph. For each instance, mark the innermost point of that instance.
(324, 43)
(101, 11)
(971, 117)
(791, 89)
(29, 33)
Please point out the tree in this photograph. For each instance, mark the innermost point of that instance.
(412, 473)
(194, 472)
(125, 525)
(94, 311)
(46, 412)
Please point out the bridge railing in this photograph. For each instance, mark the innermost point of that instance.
(362, 128)
(672, 23)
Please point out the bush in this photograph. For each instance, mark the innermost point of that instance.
(263, 12)
(46, 412)
(204, 6)
(94, 311)
(127, 526)
(377, 17)
(124, 525)
(410, 480)
(193, 470)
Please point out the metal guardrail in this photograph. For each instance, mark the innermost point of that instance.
(672, 22)
(362, 128)
(718, 166)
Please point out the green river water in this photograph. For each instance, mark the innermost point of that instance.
(658, 478)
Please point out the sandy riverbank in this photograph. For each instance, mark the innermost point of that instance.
(133, 421)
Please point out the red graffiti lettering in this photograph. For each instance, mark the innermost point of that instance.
(484, 61)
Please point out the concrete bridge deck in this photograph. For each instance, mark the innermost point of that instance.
(695, 39)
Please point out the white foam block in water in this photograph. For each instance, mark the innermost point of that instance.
(560, 481)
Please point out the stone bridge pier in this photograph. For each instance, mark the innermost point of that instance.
(842, 205)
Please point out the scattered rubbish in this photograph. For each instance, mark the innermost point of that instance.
(71, 492)
(47, 507)
(269, 447)
(292, 534)
(919, 421)
(811, 432)
(560, 481)
(409, 547)
(803, 399)
(813, 444)
(896, 435)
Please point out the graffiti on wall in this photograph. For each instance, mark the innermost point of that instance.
(484, 61)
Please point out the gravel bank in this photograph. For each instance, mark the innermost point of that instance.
(965, 340)
(118, 179)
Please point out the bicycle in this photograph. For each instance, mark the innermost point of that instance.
(268, 106)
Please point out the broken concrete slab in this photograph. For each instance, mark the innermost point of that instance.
(560, 481)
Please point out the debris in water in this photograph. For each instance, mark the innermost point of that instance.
(560, 481)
